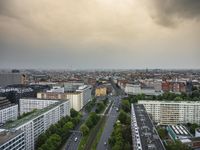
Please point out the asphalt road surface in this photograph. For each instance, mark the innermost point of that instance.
(111, 119)
(71, 144)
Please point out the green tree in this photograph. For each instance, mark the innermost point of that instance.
(41, 139)
(162, 133)
(122, 117)
(178, 98)
(69, 125)
(89, 122)
(126, 105)
(73, 113)
(95, 118)
(193, 127)
(177, 145)
(84, 129)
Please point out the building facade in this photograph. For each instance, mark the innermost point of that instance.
(28, 105)
(172, 112)
(12, 140)
(78, 99)
(101, 91)
(8, 111)
(38, 122)
(12, 78)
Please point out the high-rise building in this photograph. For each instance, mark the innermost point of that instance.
(28, 105)
(173, 112)
(78, 99)
(8, 111)
(38, 122)
(12, 78)
(12, 140)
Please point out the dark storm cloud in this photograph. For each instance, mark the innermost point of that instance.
(169, 12)
(5, 9)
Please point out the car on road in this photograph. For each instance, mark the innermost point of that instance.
(75, 139)
(105, 143)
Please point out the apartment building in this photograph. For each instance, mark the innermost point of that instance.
(78, 99)
(12, 78)
(38, 122)
(144, 134)
(28, 105)
(12, 140)
(173, 112)
(101, 91)
(8, 111)
(134, 89)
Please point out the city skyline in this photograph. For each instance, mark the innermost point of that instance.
(103, 34)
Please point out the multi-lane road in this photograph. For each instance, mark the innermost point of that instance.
(112, 116)
(71, 143)
(111, 119)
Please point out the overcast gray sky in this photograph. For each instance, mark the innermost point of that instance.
(88, 34)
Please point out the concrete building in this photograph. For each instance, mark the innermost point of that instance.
(135, 89)
(144, 134)
(38, 122)
(28, 105)
(178, 132)
(12, 140)
(173, 112)
(71, 86)
(57, 89)
(78, 98)
(86, 95)
(8, 111)
(101, 91)
(12, 78)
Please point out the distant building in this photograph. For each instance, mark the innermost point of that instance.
(86, 95)
(12, 140)
(57, 89)
(28, 105)
(101, 91)
(8, 111)
(173, 112)
(175, 87)
(78, 99)
(135, 89)
(12, 78)
(72, 86)
(38, 122)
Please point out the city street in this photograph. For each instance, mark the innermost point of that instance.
(111, 119)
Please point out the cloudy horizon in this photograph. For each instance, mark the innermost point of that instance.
(103, 34)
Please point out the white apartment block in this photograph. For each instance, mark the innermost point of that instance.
(12, 140)
(86, 96)
(8, 112)
(57, 89)
(173, 112)
(38, 122)
(28, 105)
(133, 89)
(78, 99)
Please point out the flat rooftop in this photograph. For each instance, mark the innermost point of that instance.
(23, 120)
(169, 102)
(180, 130)
(7, 135)
(147, 132)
